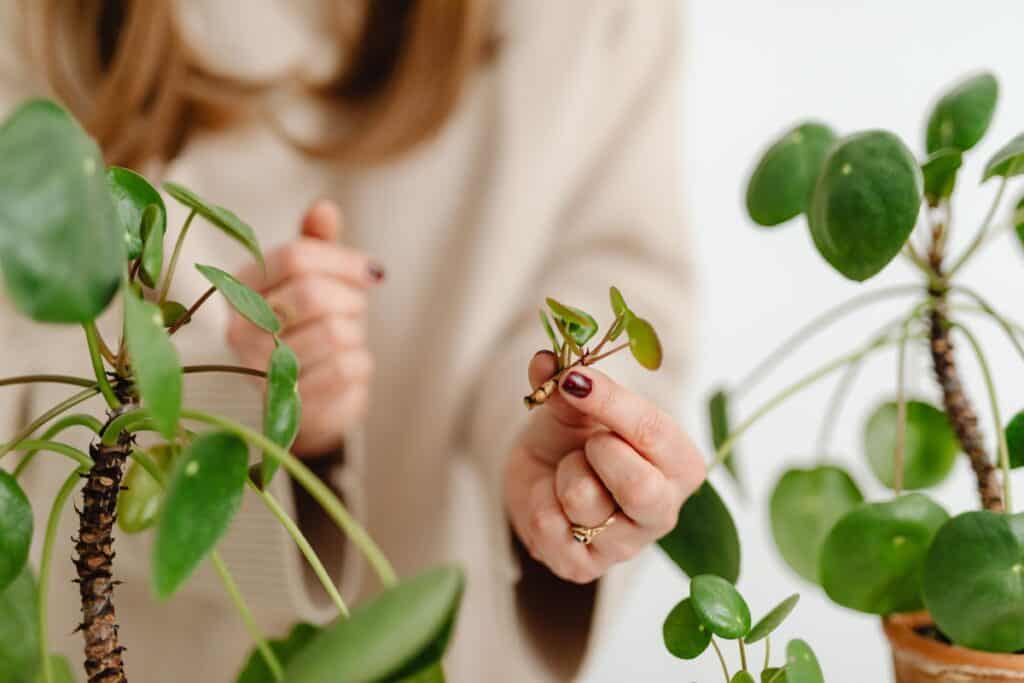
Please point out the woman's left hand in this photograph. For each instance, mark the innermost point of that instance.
(595, 450)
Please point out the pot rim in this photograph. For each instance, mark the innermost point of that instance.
(899, 629)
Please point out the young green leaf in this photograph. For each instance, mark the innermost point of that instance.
(865, 204)
(685, 635)
(963, 114)
(61, 670)
(1008, 161)
(61, 247)
(283, 407)
(220, 217)
(704, 540)
(579, 325)
(743, 677)
(804, 506)
(939, 171)
(154, 363)
(929, 450)
(172, 312)
(132, 194)
(622, 314)
(801, 664)
(286, 649)
(781, 184)
(19, 629)
(394, 635)
(772, 620)
(244, 300)
(1015, 439)
(202, 497)
(871, 560)
(719, 606)
(773, 674)
(15, 529)
(718, 419)
(152, 262)
(140, 498)
(546, 324)
(644, 343)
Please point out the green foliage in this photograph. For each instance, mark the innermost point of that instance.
(720, 606)
(804, 506)
(61, 668)
(930, 446)
(172, 312)
(1015, 439)
(963, 114)
(720, 425)
(773, 674)
(15, 529)
(801, 664)
(55, 208)
(283, 408)
(771, 621)
(286, 649)
(973, 581)
(202, 497)
(132, 195)
(219, 217)
(685, 635)
(244, 300)
(865, 204)
(19, 630)
(152, 229)
(743, 677)
(644, 343)
(704, 540)
(140, 498)
(546, 324)
(580, 325)
(939, 171)
(873, 557)
(154, 362)
(781, 184)
(1008, 161)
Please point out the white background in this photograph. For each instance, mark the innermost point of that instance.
(753, 69)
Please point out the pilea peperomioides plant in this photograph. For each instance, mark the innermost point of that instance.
(868, 200)
(75, 236)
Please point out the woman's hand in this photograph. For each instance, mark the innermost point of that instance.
(593, 450)
(319, 291)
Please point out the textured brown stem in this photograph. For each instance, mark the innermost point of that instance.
(103, 654)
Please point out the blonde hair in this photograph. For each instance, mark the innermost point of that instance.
(123, 69)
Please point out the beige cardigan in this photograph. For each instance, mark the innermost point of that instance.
(558, 175)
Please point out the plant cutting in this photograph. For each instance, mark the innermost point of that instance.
(947, 586)
(59, 202)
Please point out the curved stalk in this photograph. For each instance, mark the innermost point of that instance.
(52, 379)
(64, 449)
(174, 257)
(235, 369)
(899, 450)
(76, 420)
(62, 407)
(743, 653)
(986, 225)
(767, 651)
(92, 340)
(126, 422)
(721, 660)
(1003, 322)
(250, 622)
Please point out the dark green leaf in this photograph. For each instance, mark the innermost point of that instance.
(283, 407)
(432, 674)
(930, 446)
(131, 194)
(546, 324)
(720, 606)
(621, 311)
(773, 674)
(286, 649)
(220, 217)
(579, 325)
(743, 677)
(61, 668)
(704, 540)
(801, 664)
(939, 171)
(685, 635)
(963, 114)
(138, 503)
(644, 342)
(387, 637)
(865, 204)
(172, 312)
(804, 506)
(19, 630)
(244, 300)
(873, 557)
(718, 418)
(202, 497)
(61, 249)
(1018, 221)
(973, 581)
(154, 363)
(772, 620)
(152, 262)
(781, 185)
(1008, 161)
(15, 529)
(1015, 439)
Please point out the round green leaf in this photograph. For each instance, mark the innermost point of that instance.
(61, 247)
(621, 311)
(973, 581)
(939, 171)
(132, 194)
(720, 606)
(154, 362)
(718, 419)
(389, 637)
(15, 529)
(138, 503)
(152, 262)
(644, 343)
(219, 217)
(772, 620)
(244, 300)
(704, 540)
(743, 677)
(773, 674)
(580, 325)
(781, 184)
(801, 664)
(804, 506)
(1015, 439)
(172, 312)
(930, 446)
(873, 557)
(202, 497)
(283, 407)
(1008, 161)
(685, 635)
(286, 649)
(19, 629)
(865, 203)
(963, 114)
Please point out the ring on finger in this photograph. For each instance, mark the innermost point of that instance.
(587, 534)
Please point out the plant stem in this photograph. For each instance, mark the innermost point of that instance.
(53, 379)
(76, 420)
(174, 258)
(316, 488)
(236, 369)
(78, 456)
(592, 358)
(304, 547)
(899, 450)
(743, 653)
(45, 561)
(185, 319)
(767, 651)
(53, 412)
(721, 659)
(125, 422)
(1003, 322)
(250, 623)
(1004, 452)
(92, 339)
(911, 253)
(823, 320)
(986, 224)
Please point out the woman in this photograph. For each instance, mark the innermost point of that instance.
(467, 160)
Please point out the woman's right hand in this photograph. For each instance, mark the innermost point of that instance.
(319, 291)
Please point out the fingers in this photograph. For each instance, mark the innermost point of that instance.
(323, 338)
(639, 488)
(322, 221)
(335, 397)
(584, 499)
(336, 373)
(306, 256)
(543, 367)
(314, 296)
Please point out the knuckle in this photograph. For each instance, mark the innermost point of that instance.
(651, 429)
(292, 259)
(541, 523)
(580, 494)
(618, 552)
(640, 492)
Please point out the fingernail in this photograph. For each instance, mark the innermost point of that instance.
(376, 272)
(578, 385)
(543, 352)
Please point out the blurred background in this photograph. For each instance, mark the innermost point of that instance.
(753, 69)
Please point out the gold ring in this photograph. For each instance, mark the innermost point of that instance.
(587, 534)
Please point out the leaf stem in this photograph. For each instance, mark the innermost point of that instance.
(62, 407)
(52, 379)
(1003, 322)
(185, 319)
(721, 659)
(767, 651)
(743, 653)
(54, 447)
(123, 422)
(174, 257)
(92, 339)
(76, 420)
(986, 225)
(236, 369)
(592, 358)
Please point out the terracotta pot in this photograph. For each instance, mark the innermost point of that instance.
(919, 659)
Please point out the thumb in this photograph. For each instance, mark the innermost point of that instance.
(322, 221)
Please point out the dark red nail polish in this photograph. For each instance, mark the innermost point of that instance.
(578, 385)
(376, 272)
